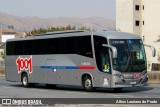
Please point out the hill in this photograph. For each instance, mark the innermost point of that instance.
(29, 23)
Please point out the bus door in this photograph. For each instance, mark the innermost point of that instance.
(103, 60)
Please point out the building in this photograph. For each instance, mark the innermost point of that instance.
(141, 17)
(5, 34)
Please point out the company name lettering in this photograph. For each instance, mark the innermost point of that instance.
(24, 64)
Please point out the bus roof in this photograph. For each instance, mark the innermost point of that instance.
(73, 33)
(117, 35)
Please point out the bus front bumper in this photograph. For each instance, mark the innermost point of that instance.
(143, 81)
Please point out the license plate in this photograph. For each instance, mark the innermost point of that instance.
(132, 83)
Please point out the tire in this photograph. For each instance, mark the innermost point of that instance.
(25, 81)
(87, 84)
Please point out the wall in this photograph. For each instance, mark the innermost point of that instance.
(124, 15)
(5, 37)
(152, 27)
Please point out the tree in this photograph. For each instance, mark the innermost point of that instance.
(53, 29)
(2, 54)
(84, 28)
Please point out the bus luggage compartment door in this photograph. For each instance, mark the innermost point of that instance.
(50, 71)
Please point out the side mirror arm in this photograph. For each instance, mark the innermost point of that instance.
(114, 50)
(152, 49)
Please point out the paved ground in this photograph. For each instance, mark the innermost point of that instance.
(15, 90)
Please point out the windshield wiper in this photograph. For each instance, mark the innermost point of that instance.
(128, 61)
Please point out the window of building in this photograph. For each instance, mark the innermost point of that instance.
(136, 7)
(143, 22)
(143, 7)
(137, 23)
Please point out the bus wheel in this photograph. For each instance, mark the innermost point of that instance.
(87, 84)
(25, 82)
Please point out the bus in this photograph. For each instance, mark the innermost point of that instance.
(106, 59)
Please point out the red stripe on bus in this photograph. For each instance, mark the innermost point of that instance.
(86, 67)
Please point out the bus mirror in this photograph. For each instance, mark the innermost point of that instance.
(114, 50)
(152, 49)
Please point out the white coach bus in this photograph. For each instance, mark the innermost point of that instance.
(106, 59)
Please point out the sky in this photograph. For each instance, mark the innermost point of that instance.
(59, 8)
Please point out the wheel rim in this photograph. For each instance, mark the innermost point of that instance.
(25, 81)
(88, 83)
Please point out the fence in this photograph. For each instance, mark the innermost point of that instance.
(155, 67)
(154, 77)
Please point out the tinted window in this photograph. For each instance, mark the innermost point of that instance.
(14, 48)
(102, 54)
(52, 46)
(131, 55)
(39, 46)
(65, 45)
(83, 46)
(28, 47)
(18, 48)
(10, 48)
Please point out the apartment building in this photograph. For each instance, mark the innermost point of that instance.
(141, 17)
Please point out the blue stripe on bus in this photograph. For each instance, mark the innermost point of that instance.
(59, 67)
(68, 67)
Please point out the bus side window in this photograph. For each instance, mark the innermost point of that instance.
(83, 46)
(28, 47)
(101, 54)
(39, 46)
(52, 46)
(19, 48)
(10, 48)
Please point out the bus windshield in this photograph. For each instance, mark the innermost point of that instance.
(130, 55)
